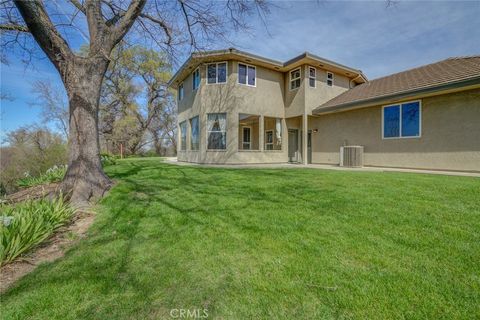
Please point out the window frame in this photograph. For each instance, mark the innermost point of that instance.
(314, 77)
(269, 143)
(198, 132)
(291, 80)
(216, 75)
(182, 147)
(332, 79)
(249, 136)
(181, 91)
(193, 79)
(246, 78)
(226, 131)
(400, 104)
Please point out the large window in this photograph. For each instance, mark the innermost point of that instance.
(295, 79)
(273, 133)
(194, 134)
(217, 131)
(181, 92)
(246, 74)
(217, 72)
(248, 132)
(329, 79)
(196, 79)
(183, 135)
(402, 120)
(312, 76)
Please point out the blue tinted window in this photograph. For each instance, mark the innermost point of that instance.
(222, 72)
(212, 73)
(391, 121)
(251, 76)
(242, 74)
(411, 119)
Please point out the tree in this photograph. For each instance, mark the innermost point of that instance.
(166, 23)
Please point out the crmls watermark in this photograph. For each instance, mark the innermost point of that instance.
(189, 313)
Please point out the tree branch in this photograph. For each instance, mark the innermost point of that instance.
(14, 27)
(126, 22)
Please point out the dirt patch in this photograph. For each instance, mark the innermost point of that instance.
(34, 193)
(48, 251)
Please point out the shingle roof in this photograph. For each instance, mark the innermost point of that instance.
(433, 75)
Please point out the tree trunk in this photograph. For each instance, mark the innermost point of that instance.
(85, 180)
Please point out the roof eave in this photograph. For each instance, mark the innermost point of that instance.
(398, 96)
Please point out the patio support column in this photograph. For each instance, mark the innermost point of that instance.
(304, 139)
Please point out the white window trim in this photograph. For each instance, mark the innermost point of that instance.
(226, 130)
(291, 80)
(400, 122)
(216, 66)
(314, 77)
(190, 125)
(199, 78)
(180, 98)
(238, 75)
(250, 142)
(328, 73)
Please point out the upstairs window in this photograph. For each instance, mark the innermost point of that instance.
(295, 79)
(183, 135)
(194, 134)
(217, 73)
(246, 74)
(196, 79)
(312, 76)
(181, 92)
(329, 79)
(217, 131)
(402, 120)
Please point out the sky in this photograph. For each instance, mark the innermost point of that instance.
(370, 36)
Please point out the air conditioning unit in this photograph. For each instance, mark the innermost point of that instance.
(351, 156)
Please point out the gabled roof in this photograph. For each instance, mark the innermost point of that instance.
(439, 76)
(197, 58)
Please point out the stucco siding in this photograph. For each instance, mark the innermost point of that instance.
(450, 135)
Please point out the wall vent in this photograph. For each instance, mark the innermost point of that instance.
(351, 156)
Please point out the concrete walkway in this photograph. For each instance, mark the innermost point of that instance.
(173, 160)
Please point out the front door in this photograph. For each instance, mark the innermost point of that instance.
(292, 145)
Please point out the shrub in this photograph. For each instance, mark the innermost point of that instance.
(108, 159)
(53, 174)
(27, 224)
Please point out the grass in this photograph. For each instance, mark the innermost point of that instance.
(267, 244)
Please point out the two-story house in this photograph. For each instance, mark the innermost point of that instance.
(236, 107)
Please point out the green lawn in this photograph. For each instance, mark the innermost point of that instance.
(267, 244)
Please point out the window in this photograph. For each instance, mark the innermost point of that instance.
(273, 133)
(402, 120)
(183, 135)
(246, 74)
(312, 76)
(217, 73)
(181, 92)
(295, 79)
(194, 134)
(196, 79)
(329, 79)
(248, 132)
(217, 131)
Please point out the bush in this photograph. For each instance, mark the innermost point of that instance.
(108, 159)
(53, 174)
(27, 224)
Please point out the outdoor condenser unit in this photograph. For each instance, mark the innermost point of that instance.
(351, 156)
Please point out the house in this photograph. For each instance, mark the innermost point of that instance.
(236, 107)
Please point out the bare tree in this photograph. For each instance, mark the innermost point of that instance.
(53, 104)
(166, 23)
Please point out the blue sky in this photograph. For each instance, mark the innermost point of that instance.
(364, 35)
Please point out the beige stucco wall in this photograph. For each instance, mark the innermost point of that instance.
(450, 135)
(266, 99)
